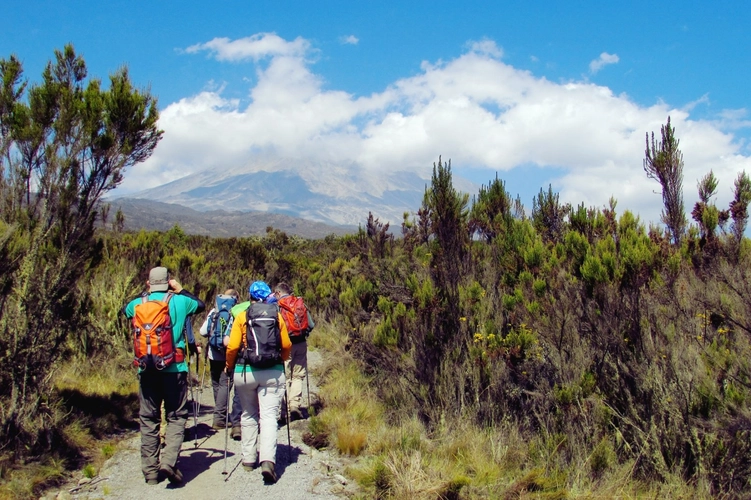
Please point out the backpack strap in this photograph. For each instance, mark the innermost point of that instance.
(210, 324)
(167, 297)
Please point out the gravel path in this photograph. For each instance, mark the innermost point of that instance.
(303, 472)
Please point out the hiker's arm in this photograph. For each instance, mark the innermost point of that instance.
(179, 290)
(286, 342)
(130, 308)
(193, 348)
(235, 339)
(311, 323)
(204, 330)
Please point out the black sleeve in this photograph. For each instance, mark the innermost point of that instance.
(201, 306)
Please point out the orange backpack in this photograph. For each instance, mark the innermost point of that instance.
(153, 345)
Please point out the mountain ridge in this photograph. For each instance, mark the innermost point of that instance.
(332, 193)
(159, 216)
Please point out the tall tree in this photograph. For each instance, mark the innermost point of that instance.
(739, 205)
(705, 213)
(61, 151)
(491, 211)
(548, 215)
(449, 242)
(664, 163)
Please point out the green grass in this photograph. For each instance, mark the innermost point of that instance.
(460, 460)
(91, 406)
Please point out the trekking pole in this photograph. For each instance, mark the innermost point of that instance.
(203, 377)
(226, 431)
(307, 382)
(190, 387)
(289, 440)
(193, 404)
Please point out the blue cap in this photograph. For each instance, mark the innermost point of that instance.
(271, 299)
(259, 290)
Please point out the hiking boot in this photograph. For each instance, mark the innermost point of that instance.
(173, 474)
(218, 426)
(151, 481)
(295, 415)
(267, 471)
(237, 432)
(249, 466)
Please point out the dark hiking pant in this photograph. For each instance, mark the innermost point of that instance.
(155, 389)
(221, 395)
(221, 390)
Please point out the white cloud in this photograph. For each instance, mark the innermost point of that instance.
(475, 110)
(734, 119)
(602, 61)
(349, 40)
(487, 47)
(253, 47)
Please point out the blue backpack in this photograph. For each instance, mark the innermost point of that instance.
(219, 320)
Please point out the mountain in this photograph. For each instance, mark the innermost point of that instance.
(154, 215)
(338, 194)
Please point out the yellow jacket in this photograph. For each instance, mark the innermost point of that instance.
(237, 335)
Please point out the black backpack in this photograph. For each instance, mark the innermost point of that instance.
(219, 320)
(263, 338)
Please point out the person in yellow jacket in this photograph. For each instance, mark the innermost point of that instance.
(255, 356)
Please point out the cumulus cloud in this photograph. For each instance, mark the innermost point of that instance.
(475, 109)
(349, 40)
(602, 61)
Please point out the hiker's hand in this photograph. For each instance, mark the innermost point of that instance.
(198, 348)
(228, 371)
(174, 285)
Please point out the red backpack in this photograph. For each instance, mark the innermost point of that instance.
(295, 315)
(153, 345)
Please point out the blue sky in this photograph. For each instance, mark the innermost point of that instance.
(540, 92)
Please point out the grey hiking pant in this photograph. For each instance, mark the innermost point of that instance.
(156, 388)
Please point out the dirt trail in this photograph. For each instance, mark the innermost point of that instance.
(303, 472)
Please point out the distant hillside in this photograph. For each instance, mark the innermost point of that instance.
(154, 215)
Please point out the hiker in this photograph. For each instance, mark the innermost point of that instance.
(163, 372)
(258, 346)
(299, 327)
(217, 328)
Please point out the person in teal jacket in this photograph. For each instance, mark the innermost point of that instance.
(168, 386)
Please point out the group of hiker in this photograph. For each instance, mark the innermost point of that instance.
(258, 347)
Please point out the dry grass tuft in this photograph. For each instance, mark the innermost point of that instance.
(350, 441)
